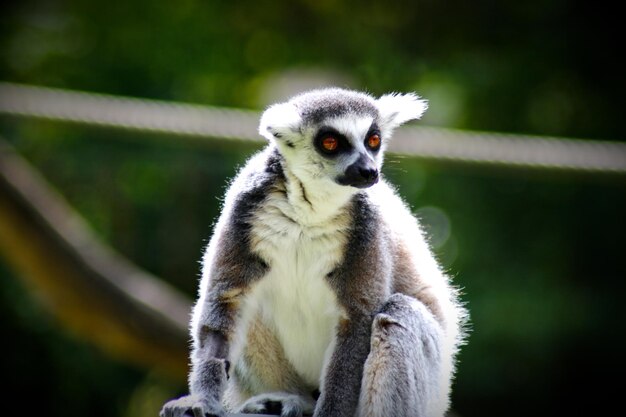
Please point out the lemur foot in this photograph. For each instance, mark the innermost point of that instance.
(279, 403)
(192, 406)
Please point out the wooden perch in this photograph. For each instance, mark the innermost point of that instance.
(90, 288)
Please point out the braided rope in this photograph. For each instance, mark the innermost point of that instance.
(430, 143)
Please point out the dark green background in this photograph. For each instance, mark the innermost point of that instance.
(538, 253)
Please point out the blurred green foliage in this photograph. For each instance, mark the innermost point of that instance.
(539, 254)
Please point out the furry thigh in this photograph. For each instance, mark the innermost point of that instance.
(403, 372)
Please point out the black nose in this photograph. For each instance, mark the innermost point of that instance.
(361, 174)
(368, 174)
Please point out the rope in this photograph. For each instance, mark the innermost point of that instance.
(429, 143)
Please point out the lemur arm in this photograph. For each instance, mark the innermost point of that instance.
(209, 364)
(213, 323)
(228, 270)
(209, 357)
(342, 381)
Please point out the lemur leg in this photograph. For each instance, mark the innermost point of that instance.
(403, 372)
(263, 381)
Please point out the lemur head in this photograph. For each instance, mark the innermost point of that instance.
(337, 135)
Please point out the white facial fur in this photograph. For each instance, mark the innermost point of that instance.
(293, 126)
(310, 165)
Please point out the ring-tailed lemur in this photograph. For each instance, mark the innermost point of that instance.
(319, 294)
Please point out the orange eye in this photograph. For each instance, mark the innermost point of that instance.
(330, 143)
(373, 141)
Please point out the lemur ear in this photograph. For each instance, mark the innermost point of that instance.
(396, 109)
(279, 120)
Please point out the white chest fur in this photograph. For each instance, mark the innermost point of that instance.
(294, 297)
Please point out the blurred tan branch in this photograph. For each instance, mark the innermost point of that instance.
(90, 288)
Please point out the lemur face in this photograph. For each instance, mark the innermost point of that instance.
(349, 149)
(337, 135)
